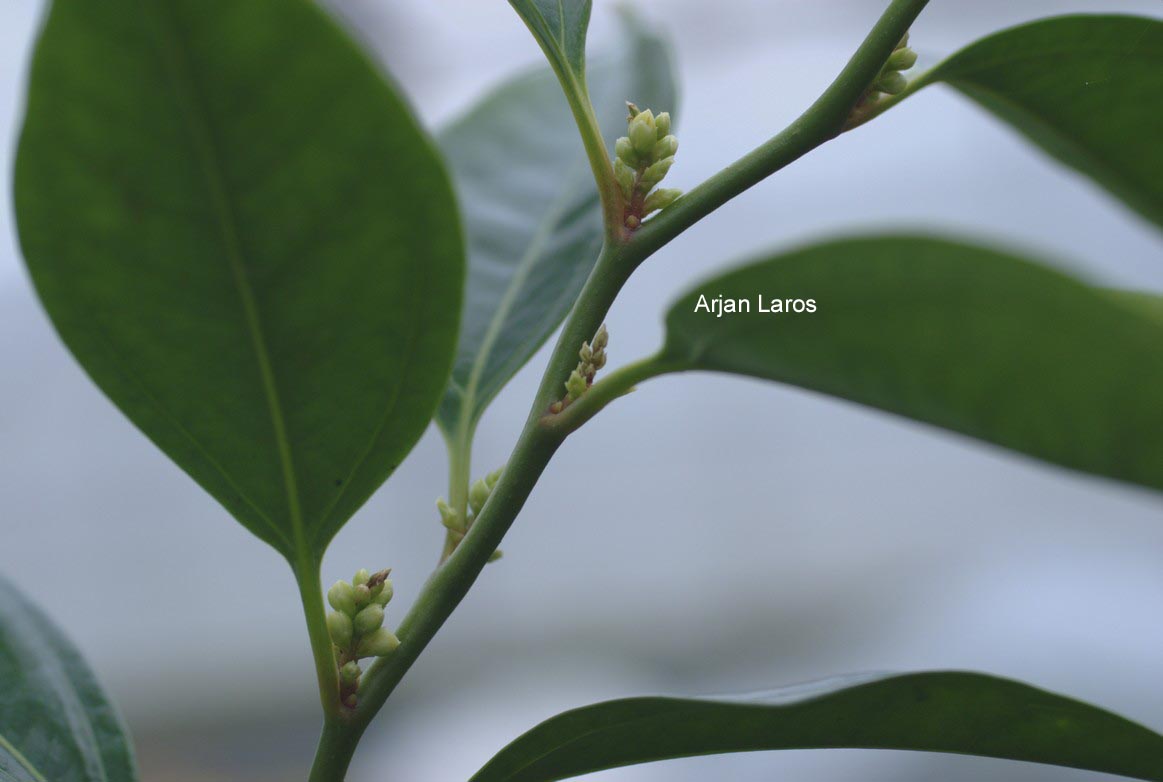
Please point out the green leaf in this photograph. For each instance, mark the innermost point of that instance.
(1079, 87)
(560, 28)
(56, 725)
(962, 337)
(244, 237)
(965, 713)
(531, 212)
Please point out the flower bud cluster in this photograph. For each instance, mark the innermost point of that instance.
(478, 495)
(592, 357)
(890, 81)
(642, 159)
(357, 627)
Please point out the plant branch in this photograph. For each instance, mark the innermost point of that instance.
(614, 385)
(537, 442)
(311, 593)
(823, 121)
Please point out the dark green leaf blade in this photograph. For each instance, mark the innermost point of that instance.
(560, 28)
(244, 237)
(964, 713)
(1081, 88)
(961, 337)
(531, 211)
(56, 725)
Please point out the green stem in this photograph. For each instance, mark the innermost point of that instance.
(536, 445)
(539, 441)
(823, 121)
(311, 593)
(459, 476)
(614, 385)
(333, 755)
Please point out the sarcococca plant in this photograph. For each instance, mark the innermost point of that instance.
(235, 223)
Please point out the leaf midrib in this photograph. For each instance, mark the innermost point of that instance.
(533, 252)
(209, 159)
(6, 745)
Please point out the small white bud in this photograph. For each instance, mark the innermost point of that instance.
(378, 644)
(363, 595)
(369, 619)
(657, 172)
(385, 595)
(624, 151)
(643, 132)
(666, 147)
(660, 199)
(662, 124)
(478, 493)
(341, 596)
(626, 177)
(340, 627)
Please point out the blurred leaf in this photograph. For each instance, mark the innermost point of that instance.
(1081, 88)
(965, 713)
(531, 212)
(56, 725)
(961, 337)
(244, 237)
(560, 28)
(1149, 304)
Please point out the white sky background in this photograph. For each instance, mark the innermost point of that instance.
(750, 535)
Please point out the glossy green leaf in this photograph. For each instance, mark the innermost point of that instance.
(531, 211)
(560, 28)
(965, 338)
(964, 713)
(244, 237)
(56, 725)
(1081, 88)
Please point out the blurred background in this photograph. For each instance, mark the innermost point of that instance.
(749, 535)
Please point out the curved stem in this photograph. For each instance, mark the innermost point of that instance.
(824, 120)
(459, 476)
(311, 593)
(537, 442)
(614, 385)
(334, 752)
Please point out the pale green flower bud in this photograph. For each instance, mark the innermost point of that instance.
(363, 595)
(904, 41)
(362, 576)
(632, 110)
(449, 517)
(666, 147)
(385, 595)
(496, 555)
(626, 177)
(340, 627)
(378, 644)
(576, 385)
(643, 133)
(891, 83)
(660, 199)
(624, 151)
(349, 673)
(901, 60)
(662, 124)
(657, 172)
(341, 596)
(492, 478)
(601, 338)
(586, 353)
(369, 619)
(477, 494)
